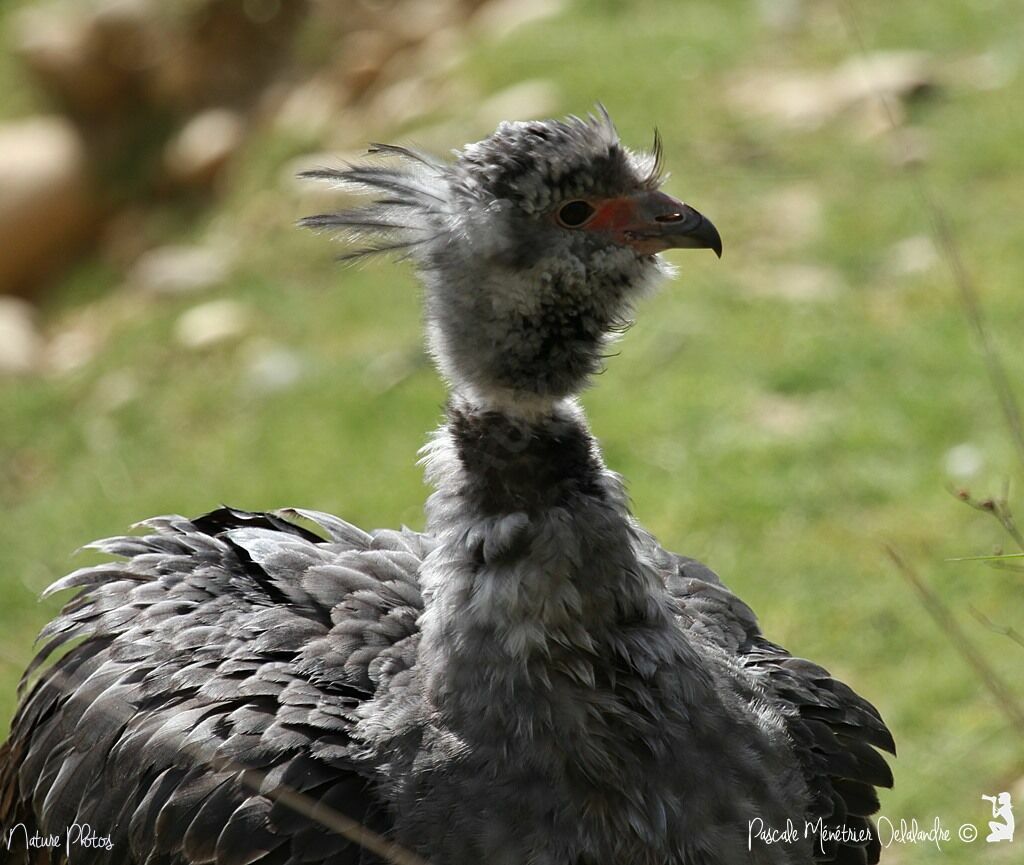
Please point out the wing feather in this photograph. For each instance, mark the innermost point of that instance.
(232, 642)
(833, 731)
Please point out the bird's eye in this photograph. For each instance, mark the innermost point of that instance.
(574, 214)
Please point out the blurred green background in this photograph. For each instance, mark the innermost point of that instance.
(782, 414)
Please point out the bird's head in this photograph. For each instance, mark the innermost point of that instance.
(533, 246)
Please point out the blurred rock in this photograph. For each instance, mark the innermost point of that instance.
(964, 461)
(361, 58)
(526, 100)
(897, 74)
(351, 129)
(405, 101)
(912, 255)
(114, 390)
(791, 217)
(47, 208)
(262, 11)
(443, 50)
(223, 52)
(74, 346)
(308, 109)
(785, 15)
(212, 323)
(498, 19)
(101, 435)
(784, 417)
(908, 147)
(876, 117)
(52, 43)
(127, 235)
(799, 283)
(272, 368)
(200, 151)
(809, 99)
(126, 33)
(179, 270)
(83, 333)
(114, 66)
(87, 55)
(20, 342)
(413, 21)
(798, 100)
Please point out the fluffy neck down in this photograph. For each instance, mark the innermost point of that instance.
(546, 634)
(562, 705)
(540, 562)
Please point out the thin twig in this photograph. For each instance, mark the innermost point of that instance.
(999, 557)
(933, 604)
(333, 820)
(947, 242)
(1002, 630)
(1005, 517)
(1003, 566)
(998, 508)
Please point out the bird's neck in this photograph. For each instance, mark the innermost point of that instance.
(540, 586)
(493, 460)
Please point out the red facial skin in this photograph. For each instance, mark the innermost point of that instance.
(649, 222)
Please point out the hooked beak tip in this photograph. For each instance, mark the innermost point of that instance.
(670, 224)
(700, 232)
(653, 221)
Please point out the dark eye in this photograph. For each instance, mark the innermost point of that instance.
(574, 214)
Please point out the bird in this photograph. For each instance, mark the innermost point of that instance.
(531, 680)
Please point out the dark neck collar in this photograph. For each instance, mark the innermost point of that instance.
(515, 464)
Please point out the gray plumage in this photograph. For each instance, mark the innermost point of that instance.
(531, 681)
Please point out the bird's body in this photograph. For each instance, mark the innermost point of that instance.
(533, 679)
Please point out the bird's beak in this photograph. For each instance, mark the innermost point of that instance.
(652, 221)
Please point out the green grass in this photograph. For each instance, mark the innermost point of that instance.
(882, 376)
(18, 97)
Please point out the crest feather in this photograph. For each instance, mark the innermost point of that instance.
(407, 213)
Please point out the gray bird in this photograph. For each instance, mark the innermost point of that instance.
(533, 680)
